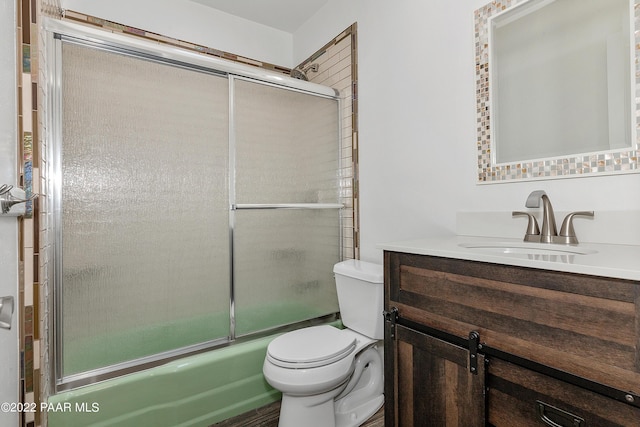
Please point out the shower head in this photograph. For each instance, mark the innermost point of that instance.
(297, 73)
(301, 73)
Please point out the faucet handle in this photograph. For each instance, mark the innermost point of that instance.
(567, 232)
(533, 231)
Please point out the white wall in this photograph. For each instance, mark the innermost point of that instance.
(195, 23)
(416, 76)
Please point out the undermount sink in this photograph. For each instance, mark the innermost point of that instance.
(526, 248)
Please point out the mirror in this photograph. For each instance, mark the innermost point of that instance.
(555, 89)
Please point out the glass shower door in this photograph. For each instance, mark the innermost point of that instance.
(145, 248)
(287, 217)
(189, 207)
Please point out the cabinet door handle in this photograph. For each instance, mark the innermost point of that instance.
(560, 418)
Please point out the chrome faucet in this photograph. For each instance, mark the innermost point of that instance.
(549, 233)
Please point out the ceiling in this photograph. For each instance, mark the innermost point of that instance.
(285, 15)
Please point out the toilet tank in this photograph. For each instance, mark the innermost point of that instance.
(360, 296)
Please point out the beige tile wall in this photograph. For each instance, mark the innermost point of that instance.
(337, 68)
(30, 295)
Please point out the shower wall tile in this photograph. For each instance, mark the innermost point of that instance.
(337, 67)
(34, 295)
(29, 121)
(28, 270)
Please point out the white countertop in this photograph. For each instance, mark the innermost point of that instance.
(620, 261)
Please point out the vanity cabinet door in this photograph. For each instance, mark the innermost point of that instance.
(521, 397)
(429, 383)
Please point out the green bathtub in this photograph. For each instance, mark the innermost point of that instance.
(193, 391)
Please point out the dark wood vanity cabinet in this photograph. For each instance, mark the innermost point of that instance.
(472, 344)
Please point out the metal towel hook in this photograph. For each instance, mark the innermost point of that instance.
(8, 200)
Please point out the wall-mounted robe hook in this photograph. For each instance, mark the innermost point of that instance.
(13, 200)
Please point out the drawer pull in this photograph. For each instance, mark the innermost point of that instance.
(556, 417)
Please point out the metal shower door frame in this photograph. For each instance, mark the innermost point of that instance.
(57, 31)
(234, 207)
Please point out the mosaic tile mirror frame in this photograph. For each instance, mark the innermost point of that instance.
(606, 162)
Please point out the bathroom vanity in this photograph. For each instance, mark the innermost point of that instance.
(476, 336)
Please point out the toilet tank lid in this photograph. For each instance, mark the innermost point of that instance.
(362, 270)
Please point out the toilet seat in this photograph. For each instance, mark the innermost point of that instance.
(311, 347)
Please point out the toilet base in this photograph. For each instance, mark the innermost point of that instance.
(309, 411)
(296, 412)
(349, 405)
(353, 417)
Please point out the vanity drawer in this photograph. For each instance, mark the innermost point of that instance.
(519, 397)
(584, 325)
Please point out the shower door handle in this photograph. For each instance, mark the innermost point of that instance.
(6, 312)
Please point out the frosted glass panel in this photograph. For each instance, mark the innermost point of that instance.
(286, 145)
(145, 208)
(284, 266)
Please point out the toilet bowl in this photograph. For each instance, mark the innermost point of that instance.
(330, 376)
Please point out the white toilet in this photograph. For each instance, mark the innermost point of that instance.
(329, 376)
